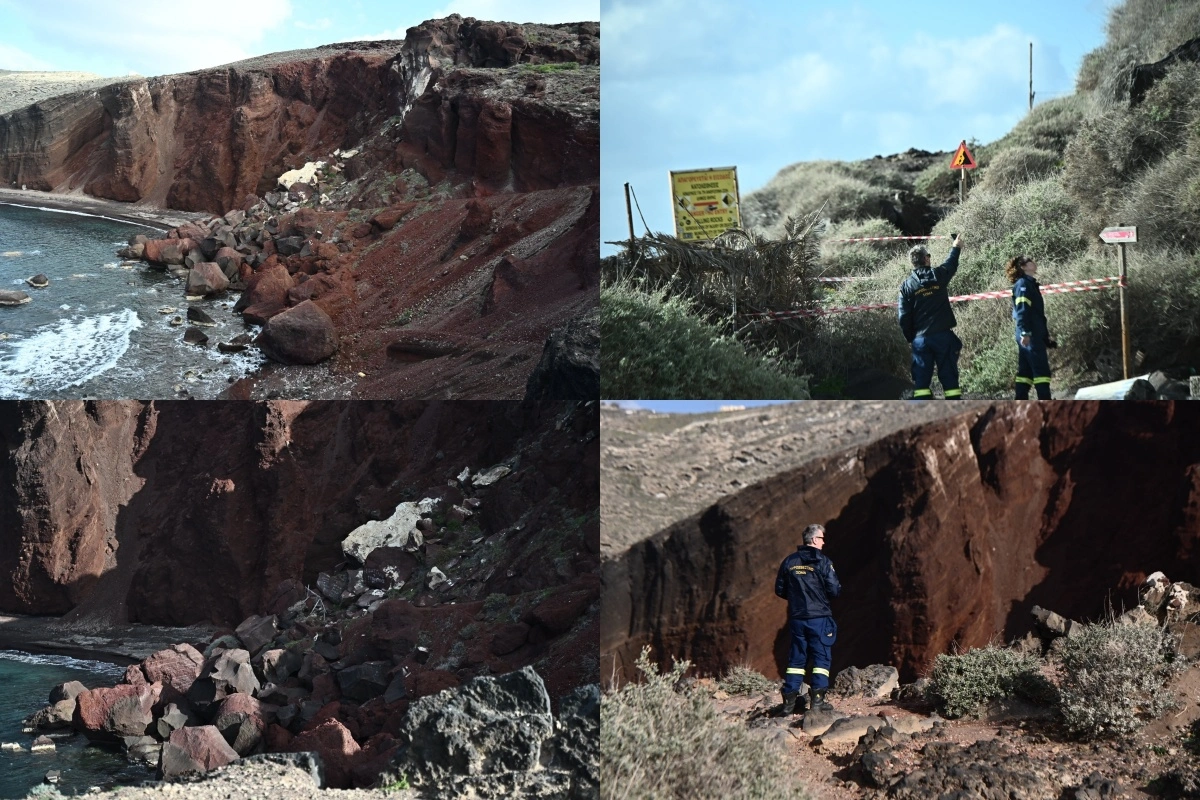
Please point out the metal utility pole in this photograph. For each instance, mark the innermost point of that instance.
(1031, 76)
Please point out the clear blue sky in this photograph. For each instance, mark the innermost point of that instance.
(159, 37)
(692, 406)
(762, 84)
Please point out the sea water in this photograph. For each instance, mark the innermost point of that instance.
(98, 329)
(26, 681)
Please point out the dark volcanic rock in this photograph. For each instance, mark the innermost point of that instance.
(300, 335)
(570, 365)
(195, 750)
(949, 770)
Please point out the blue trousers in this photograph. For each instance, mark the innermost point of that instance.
(938, 350)
(812, 640)
(1033, 369)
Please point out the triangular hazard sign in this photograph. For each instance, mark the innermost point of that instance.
(962, 158)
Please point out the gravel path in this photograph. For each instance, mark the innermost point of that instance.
(656, 469)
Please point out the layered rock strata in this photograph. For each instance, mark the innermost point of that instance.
(950, 532)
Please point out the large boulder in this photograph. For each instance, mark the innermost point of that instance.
(875, 681)
(112, 713)
(332, 741)
(166, 252)
(279, 664)
(569, 370)
(300, 335)
(267, 288)
(395, 531)
(487, 726)
(56, 716)
(206, 278)
(364, 681)
(255, 632)
(228, 672)
(13, 298)
(176, 667)
(66, 691)
(196, 749)
(242, 720)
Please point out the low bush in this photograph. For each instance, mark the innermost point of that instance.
(661, 742)
(658, 346)
(965, 684)
(745, 680)
(1014, 166)
(837, 191)
(1114, 677)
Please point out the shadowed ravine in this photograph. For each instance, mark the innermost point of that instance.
(944, 533)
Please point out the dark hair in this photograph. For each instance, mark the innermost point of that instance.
(1012, 270)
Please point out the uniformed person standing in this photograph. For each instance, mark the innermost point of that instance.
(806, 578)
(1029, 312)
(927, 322)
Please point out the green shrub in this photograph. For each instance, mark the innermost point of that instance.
(744, 680)
(1014, 166)
(838, 191)
(1114, 677)
(1138, 32)
(657, 346)
(966, 684)
(839, 259)
(661, 742)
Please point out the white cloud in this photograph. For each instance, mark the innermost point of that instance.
(152, 37)
(16, 59)
(541, 11)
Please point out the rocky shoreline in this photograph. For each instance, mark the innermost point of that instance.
(151, 216)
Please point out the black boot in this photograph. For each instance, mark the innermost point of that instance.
(802, 703)
(819, 703)
(789, 702)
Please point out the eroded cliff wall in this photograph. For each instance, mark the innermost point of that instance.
(948, 532)
(203, 141)
(180, 512)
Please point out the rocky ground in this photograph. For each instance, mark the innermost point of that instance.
(884, 739)
(659, 468)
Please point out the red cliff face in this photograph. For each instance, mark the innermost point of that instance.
(949, 532)
(203, 141)
(175, 512)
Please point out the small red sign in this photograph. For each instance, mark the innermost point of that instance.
(1125, 233)
(963, 158)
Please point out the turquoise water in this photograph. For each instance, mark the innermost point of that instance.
(96, 330)
(26, 681)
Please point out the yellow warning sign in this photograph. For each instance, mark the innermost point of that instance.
(962, 158)
(706, 202)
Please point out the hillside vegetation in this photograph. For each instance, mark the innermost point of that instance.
(1071, 167)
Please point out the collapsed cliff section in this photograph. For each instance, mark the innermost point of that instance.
(439, 204)
(944, 533)
(174, 512)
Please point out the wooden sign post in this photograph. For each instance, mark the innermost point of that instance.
(1121, 236)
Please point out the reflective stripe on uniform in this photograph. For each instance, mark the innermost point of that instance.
(1020, 300)
(923, 393)
(1028, 381)
(954, 393)
(1041, 380)
(795, 670)
(819, 671)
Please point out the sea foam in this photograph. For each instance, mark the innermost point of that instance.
(65, 354)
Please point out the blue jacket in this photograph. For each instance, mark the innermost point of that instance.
(924, 300)
(806, 578)
(1028, 309)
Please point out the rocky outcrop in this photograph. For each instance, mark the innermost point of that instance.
(950, 532)
(207, 139)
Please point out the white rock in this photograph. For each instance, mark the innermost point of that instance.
(12, 746)
(436, 578)
(488, 477)
(464, 475)
(395, 531)
(305, 174)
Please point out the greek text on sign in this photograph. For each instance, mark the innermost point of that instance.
(1125, 233)
(962, 158)
(706, 202)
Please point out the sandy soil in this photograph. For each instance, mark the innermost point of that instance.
(20, 89)
(656, 469)
(121, 644)
(253, 781)
(161, 218)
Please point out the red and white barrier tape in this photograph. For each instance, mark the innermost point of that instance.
(1087, 285)
(888, 238)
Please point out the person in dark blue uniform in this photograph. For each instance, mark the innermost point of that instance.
(1033, 364)
(927, 322)
(806, 578)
